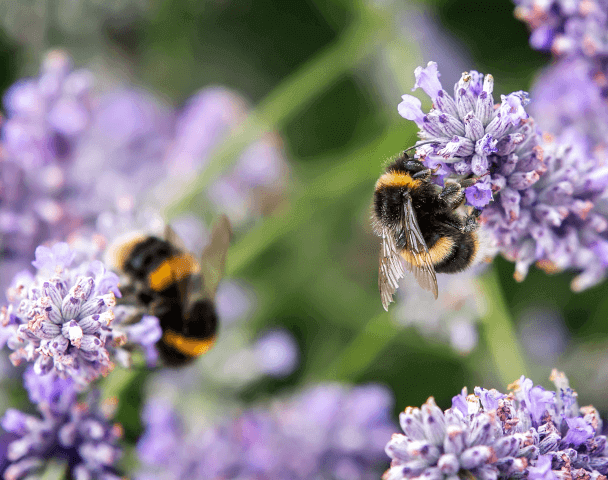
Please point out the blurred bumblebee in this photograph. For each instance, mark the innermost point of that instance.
(417, 221)
(171, 284)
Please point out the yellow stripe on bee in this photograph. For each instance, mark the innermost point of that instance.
(438, 252)
(442, 248)
(172, 270)
(476, 243)
(396, 179)
(191, 347)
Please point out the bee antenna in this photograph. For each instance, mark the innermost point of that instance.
(419, 145)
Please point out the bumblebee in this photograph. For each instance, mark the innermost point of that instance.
(167, 281)
(417, 221)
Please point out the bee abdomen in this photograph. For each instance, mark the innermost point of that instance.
(462, 255)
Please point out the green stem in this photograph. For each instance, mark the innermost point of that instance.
(54, 470)
(284, 102)
(500, 337)
(369, 342)
(114, 384)
(363, 165)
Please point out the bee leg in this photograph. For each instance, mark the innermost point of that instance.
(423, 174)
(470, 221)
(468, 182)
(453, 195)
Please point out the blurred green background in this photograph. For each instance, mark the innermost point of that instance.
(328, 75)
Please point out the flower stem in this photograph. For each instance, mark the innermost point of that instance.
(363, 165)
(363, 350)
(314, 77)
(500, 337)
(54, 470)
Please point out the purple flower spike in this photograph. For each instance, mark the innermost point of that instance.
(469, 135)
(410, 109)
(327, 431)
(529, 433)
(77, 432)
(65, 320)
(541, 196)
(428, 79)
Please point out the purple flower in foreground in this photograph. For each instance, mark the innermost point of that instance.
(469, 135)
(561, 222)
(76, 433)
(547, 203)
(530, 433)
(327, 432)
(61, 320)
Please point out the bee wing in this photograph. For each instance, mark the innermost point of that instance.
(173, 238)
(422, 265)
(213, 260)
(391, 267)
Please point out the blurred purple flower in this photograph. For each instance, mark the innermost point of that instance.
(121, 154)
(76, 433)
(544, 334)
(531, 433)
(73, 160)
(61, 320)
(254, 186)
(327, 431)
(567, 27)
(46, 118)
(276, 353)
(453, 317)
(565, 99)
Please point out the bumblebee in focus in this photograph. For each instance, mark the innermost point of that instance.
(169, 283)
(417, 220)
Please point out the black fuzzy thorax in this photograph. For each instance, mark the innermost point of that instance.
(147, 256)
(434, 216)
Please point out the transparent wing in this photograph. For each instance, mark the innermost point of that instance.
(173, 238)
(213, 260)
(391, 267)
(416, 254)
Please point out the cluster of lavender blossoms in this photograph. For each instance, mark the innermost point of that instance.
(569, 28)
(77, 433)
(65, 320)
(541, 200)
(327, 431)
(530, 433)
(73, 156)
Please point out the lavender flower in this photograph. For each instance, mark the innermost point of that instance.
(547, 194)
(254, 186)
(561, 222)
(276, 353)
(76, 433)
(566, 99)
(61, 319)
(530, 433)
(469, 135)
(565, 27)
(326, 432)
(46, 117)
